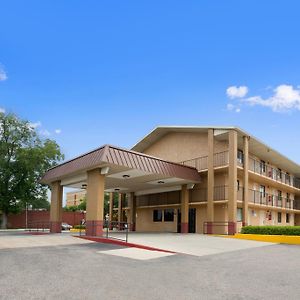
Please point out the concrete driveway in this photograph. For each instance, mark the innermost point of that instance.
(64, 267)
(193, 244)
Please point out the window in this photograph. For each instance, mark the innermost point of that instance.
(279, 197)
(262, 194)
(279, 174)
(157, 215)
(279, 217)
(287, 179)
(287, 219)
(240, 157)
(262, 190)
(239, 214)
(238, 185)
(169, 215)
(262, 166)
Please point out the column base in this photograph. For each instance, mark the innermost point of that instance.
(55, 227)
(209, 227)
(94, 228)
(132, 227)
(231, 228)
(184, 227)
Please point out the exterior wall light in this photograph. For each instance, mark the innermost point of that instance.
(117, 189)
(160, 182)
(84, 186)
(126, 176)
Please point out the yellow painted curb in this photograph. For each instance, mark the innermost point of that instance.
(281, 239)
(77, 230)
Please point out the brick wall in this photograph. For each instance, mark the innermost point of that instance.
(35, 217)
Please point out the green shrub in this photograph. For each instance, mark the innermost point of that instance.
(79, 226)
(272, 230)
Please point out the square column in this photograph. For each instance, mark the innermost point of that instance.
(120, 209)
(210, 182)
(232, 182)
(246, 180)
(132, 207)
(56, 207)
(111, 208)
(184, 209)
(95, 203)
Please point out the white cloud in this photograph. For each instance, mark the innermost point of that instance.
(45, 132)
(3, 75)
(285, 98)
(2, 110)
(57, 131)
(35, 125)
(232, 107)
(237, 91)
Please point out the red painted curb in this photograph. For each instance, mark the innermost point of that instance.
(121, 243)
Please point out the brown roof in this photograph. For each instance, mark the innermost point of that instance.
(117, 156)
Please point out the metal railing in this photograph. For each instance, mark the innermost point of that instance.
(201, 163)
(158, 199)
(264, 169)
(221, 159)
(222, 228)
(258, 197)
(199, 196)
(38, 226)
(110, 229)
(220, 193)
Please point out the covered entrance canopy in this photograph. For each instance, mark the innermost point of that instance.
(113, 169)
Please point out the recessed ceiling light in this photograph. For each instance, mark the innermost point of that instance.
(160, 182)
(126, 176)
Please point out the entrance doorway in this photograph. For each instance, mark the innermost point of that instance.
(192, 220)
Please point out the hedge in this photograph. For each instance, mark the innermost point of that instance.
(79, 227)
(271, 230)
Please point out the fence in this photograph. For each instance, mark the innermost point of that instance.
(110, 230)
(38, 226)
(223, 228)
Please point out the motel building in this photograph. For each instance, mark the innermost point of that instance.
(183, 179)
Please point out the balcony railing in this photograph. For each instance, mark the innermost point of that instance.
(266, 170)
(201, 163)
(158, 199)
(221, 159)
(220, 193)
(258, 197)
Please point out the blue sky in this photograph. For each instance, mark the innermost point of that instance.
(101, 72)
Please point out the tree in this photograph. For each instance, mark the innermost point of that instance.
(24, 158)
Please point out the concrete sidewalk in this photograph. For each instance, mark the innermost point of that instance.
(192, 244)
(26, 240)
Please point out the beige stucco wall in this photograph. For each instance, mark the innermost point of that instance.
(200, 218)
(177, 146)
(258, 217)
(144, 221)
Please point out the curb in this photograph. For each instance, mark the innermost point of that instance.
(121, 243)
(279, 239)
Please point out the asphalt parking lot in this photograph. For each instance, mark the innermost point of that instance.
(88, 270)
